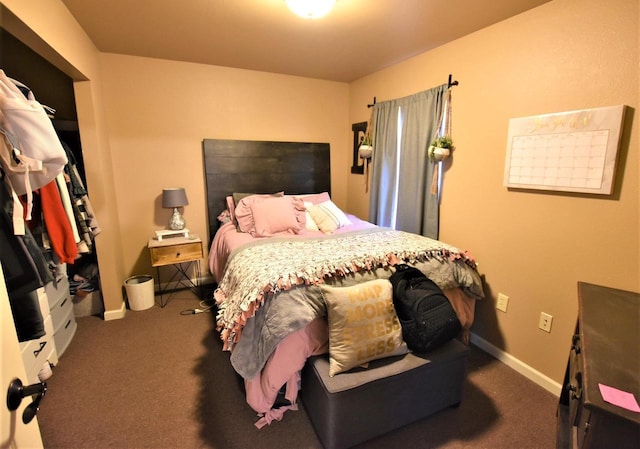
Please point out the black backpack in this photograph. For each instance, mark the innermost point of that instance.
(427, 318)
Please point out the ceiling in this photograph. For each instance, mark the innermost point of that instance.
(357, 38)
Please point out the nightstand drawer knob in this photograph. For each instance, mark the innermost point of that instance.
(178, 254)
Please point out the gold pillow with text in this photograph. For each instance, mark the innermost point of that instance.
(363, 325)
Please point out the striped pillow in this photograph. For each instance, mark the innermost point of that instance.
(328, 216)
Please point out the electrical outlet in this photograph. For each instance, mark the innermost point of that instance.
(545, 322)
(503, 302)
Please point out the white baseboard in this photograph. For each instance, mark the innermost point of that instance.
(115, 314)
(533, 375)
(120, 313)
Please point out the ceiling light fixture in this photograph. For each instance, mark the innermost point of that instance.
(311, 9)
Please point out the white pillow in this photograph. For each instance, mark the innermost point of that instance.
(311, 224)
(328, 216)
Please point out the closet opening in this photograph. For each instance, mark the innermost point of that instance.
(55, 89)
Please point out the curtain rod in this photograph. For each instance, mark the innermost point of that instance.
(450, 84)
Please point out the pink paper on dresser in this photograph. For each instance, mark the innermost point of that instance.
(619, 398)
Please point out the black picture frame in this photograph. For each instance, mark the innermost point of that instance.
(359, 130)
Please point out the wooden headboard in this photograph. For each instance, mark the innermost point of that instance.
(262, 167)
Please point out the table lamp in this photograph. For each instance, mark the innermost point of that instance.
(175, 197)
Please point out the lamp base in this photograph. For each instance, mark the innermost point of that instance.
(176, 223)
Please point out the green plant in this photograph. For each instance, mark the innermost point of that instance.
(439, 142)
(366, 140)
(442, 142)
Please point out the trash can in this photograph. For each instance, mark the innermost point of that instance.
(140, 292)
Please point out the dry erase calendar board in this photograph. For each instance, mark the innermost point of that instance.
(573, 151)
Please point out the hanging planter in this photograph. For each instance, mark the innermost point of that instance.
(365, 150)
(440, 148)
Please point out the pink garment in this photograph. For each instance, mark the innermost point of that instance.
(464, 305)
(283, 367)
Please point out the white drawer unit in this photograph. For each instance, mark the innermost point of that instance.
(35, 353)
(61, 309)
(65, 331)
(56, 306)
(60, 302)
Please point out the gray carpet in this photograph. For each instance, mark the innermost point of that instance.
(158, 379)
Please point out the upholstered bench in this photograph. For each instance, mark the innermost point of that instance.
(355, 406)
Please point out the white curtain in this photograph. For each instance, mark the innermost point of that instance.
(401, 195)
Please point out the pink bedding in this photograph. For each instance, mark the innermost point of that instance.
(283, 368)
(228, 239)
(267, 367)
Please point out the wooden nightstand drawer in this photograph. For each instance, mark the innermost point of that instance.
(177, 253)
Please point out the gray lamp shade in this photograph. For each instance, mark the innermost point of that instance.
(174, 197)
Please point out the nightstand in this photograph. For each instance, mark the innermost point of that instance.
(183, 253)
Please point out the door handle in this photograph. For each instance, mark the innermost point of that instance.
(17, 391)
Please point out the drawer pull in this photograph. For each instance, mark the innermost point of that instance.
(64, 302)
(575, 343)
(37, 352)
(67, 325)
(573, 391)
(178, 254)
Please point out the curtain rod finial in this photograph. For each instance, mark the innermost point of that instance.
(374, 103)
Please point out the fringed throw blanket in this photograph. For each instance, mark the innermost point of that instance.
(278, 264)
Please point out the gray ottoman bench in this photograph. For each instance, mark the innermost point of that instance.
(358, 405)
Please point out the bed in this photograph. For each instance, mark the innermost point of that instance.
(282, 251)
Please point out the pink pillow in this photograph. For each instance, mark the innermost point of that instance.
(242, 212)
(231, 207)
(315, 198)
(238, 196)
(274, 215)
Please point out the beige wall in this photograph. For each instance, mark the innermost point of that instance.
(532, 246)
(159, 111)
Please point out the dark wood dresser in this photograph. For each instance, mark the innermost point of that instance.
(605, 350)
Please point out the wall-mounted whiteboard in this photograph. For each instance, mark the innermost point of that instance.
(573, 151)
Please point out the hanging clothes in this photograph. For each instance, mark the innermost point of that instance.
(38, 220)
(85, 218)
(57, 223)
(37, 156)
(25, 270)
